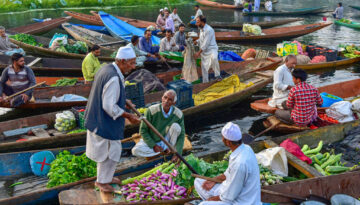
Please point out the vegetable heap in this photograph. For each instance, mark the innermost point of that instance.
(318, 59)
(79, 48)
(156, 184)
(77, 131)
(327, 163)
(268, 178)
(65, 121)
(351, 51)
(65, 82)
(26, 38)
(67, 168)
(347, 21)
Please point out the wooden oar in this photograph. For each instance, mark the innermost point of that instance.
(172, 149)
(267, 129)
(110, 43)
(21, 92)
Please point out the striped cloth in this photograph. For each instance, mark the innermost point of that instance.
(303, 99)
(12, 82)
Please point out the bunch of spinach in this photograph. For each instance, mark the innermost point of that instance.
(68, 168)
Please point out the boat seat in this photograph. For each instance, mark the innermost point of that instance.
(261, 54)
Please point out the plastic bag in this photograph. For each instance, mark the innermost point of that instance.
(286, 48)
(356, 107)
(189, 71)
(229, 56)
(341, 111)
(65, 121)
(274, 159)
(249, 53)
(58, 40)
(68, 98)
(294, 149)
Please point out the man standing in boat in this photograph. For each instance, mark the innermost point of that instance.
(208, 49)
(169, 121)
(176, 18)
(15, 78)
(91, 64)
(283, 82)
(105, 117)
(300, 108)
(241, 180)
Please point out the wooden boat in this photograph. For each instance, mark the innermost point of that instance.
(344, 90)
(271, 34)
(45, 51)
(262, 24)
(328, 134)
(354, 7)
(292, 12)
(95, 20)
(325, 187)
(41, 27)
(331, 64)
(223, 6)
(353, 24)
(100, 29)
(122, 30)
(94, 38)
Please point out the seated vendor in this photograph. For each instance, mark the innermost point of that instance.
(169, 121)
(15, 78)
(300, 107)
(146, 45)
(141, 56)
(91, 64)
(283, 82)
(168, 43)
(6, 46)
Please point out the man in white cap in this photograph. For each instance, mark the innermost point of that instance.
(105, 117)
(160, 21)
(240, 182)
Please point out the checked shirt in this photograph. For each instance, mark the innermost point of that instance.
(303, 99)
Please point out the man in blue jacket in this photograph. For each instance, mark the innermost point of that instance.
(105, 117)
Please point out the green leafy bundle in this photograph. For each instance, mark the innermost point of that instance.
(26, 38)
(68, 168)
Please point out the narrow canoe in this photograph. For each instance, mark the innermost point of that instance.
(262, 24)
(41, 27)
(271, 34)
(223, 6)
(94, 38)
(292, 12)
(329, 134)
(100, 29)
(122, 30)
(332, 64)
(45, 51)
(355, 25)
(344, 90)
(95, 20)
(354, 7)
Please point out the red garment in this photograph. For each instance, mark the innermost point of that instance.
(302, 100)
(294, 149)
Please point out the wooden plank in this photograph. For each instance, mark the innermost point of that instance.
(34, 62)
(40, 132)
(295, 162)
(21, 131)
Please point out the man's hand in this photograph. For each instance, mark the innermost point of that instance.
(25, 97)
(195, 42)
(133, 118)
(175, 159)
(289, 87)
(208, 185)
(157, 149)
(214, 198)
(196, 55)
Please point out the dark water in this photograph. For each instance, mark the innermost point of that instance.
(248, 119)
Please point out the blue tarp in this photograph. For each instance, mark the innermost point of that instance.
(229, 56)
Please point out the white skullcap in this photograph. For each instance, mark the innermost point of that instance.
(161, 10)
(125, 53)
(231, 132)
(166, 8)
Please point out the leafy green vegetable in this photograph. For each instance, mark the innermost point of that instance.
(67, 168)
(26, 38)
(77, 131)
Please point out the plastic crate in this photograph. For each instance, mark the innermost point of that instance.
(135, 93)
(76, 111)
(331, 55)
(183, 91)
(328, 101)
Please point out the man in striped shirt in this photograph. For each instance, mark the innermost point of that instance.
(300, 107)
(16, 77)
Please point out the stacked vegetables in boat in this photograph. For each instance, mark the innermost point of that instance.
(350, 51)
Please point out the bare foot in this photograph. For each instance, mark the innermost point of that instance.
(116, 180)
(105, 187)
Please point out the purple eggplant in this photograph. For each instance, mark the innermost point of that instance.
(166, 198)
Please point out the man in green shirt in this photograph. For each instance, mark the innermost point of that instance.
(169, 121)
(91, 64)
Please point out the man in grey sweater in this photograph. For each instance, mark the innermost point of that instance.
(16, 77)
(6, 46)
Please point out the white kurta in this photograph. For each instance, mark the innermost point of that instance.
(268, 6)
(176, 18)
(242, 184)
(166, 45)
(209, 55)
(198, 13)
(282, 79)
(99, 149)
(257, 5)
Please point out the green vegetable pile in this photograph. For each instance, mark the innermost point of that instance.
(68, 168)
(79, 48)
(65, 121)
(26, 38)
(65, 82)
(351, 51)
(347, 21)
(268, 178)
(327, 163)
(77, 131)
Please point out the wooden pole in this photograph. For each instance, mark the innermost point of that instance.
(21, 92)
(267, 129)
(172, 149)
